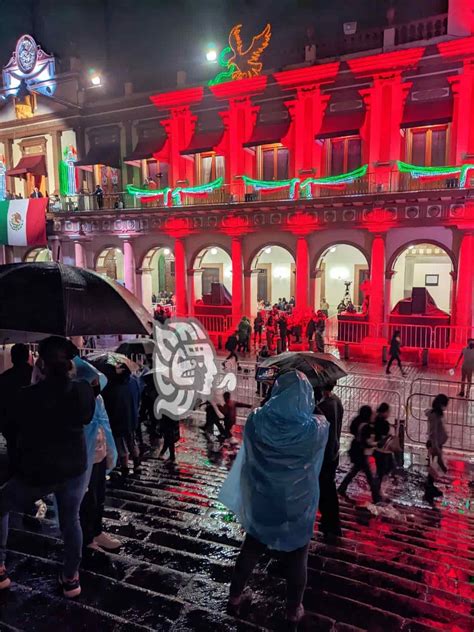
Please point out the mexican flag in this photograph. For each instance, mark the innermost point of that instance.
(23, 222)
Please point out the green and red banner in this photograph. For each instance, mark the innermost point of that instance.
(23, 222)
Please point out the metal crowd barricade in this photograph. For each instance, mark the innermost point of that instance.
(459, 421)
(215, 323)
(353, 397)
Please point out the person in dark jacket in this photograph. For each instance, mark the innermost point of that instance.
(257, 329)
(310, 330)
(170, 430)
(52, 458)
(394, 352)
(99, 194)
(331, 407)
(231, 345)
(213, 418)
(121, 404)
(283, 328)
(11, 382)
(229, 410)
(363, 430)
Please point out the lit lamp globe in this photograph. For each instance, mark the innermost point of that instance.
(211, 55)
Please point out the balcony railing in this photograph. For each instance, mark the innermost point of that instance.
(398, 182)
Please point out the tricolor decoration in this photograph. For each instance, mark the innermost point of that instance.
(202, 190)
(175, 197)
(273, 185)
(338, 182)
(67, 172)
(23, 222)
(434, 173)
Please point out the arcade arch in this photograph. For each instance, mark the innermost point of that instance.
(275, 275)
(339, 264)
(212, 265)
(425, 265)
(37, 255)
(110, 263)
(158, 263)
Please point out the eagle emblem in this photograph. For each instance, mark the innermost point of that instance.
(16, 221)
(247, 62)
(239, 63)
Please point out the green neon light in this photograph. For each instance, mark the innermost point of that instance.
(343, 178)
(177, 192)
(224, 75)
(273, 185)
(419, 172)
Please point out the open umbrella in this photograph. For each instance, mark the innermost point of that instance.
(53, 298)
(319, 368)
(141, 346)
(107, 361)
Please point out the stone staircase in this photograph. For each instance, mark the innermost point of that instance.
(411, 569)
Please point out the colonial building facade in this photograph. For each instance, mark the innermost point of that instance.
(350, 173)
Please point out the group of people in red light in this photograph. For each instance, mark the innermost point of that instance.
(278, 330)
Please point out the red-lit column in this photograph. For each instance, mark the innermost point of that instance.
(377, 279)
(179, 129)
(302, 273)
(384, 101)
(462, 129)
(306, 114)
(180, 277)
(239, 120)
(237, 280)
(465, 284)
(129, 272)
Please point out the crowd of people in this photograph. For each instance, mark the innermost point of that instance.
(277, 330)
(69, 425)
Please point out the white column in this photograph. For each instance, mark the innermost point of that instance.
(129, 273)
(147, 288)
(79, 256)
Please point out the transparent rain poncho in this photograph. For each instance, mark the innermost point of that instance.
(273, 486)
(85, 371)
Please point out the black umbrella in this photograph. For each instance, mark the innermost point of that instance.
(53, 298)
(141, 346)
(107, 362)
(319, 368)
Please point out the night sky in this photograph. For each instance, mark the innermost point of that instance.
(146, 40)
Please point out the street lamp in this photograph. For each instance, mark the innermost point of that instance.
(211, 54)
(95, 77)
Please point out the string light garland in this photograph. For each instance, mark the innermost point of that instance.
(273, 185)
(339, 181)
(418, 172)
(175, 196)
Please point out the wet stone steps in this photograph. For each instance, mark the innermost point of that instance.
(410, 570)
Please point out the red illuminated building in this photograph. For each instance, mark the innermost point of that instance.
(295, 182)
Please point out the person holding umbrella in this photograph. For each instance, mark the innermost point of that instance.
(52, 456)
(273, 487)
(122, 404)
(331, 407)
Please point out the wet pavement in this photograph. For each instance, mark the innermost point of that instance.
(404, 566)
